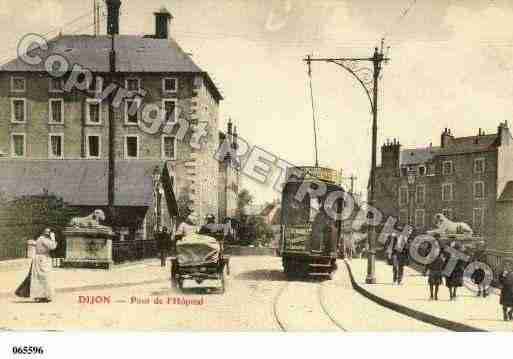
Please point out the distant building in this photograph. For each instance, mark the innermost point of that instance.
(41, 121)
(229, 176)
(462, 178)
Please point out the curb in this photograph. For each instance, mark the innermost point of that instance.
(423, 317)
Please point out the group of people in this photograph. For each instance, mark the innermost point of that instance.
(397, 254)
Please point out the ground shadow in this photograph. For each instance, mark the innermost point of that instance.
(263, 275)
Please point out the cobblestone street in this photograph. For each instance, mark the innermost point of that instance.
(258, 298)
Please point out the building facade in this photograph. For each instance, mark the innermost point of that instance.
(462, 179)
(229, 175)
(50, 116)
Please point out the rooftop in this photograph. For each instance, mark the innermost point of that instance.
(134, 54)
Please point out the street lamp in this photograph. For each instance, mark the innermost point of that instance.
(370, 86)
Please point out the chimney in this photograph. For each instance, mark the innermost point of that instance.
(113, 16)
(446, 138)
(162, 19)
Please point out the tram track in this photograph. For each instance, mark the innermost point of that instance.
(310, 308)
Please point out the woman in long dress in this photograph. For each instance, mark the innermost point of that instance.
(40, 286)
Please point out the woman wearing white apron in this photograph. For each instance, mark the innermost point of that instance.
(40, 286)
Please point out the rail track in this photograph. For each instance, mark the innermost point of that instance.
(284, 312)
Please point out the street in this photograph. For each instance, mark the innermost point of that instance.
(258, 298)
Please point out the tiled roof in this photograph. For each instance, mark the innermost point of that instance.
(417, 155)
(134, 54)
(79, 182)
(469, 144)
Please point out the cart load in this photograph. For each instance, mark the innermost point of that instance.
(197, 249)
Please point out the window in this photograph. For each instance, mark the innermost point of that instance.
(95, 85)
(168, 147)
(133, 84)
(18, 145)
(419, 218)
(479, 165)
(56, 85)
(169, 111)
(18, 110)
(18, 84)
(422, 170)
(56, 111)
(447, 192)
(93, 146)
(477, 219)
(55, 145)
(131, 147)
(170, 84)
(403, 195)
(479, 190)
(403, 172)
(403, 216)
(420, 194)
(132, 107)
(447, 168)
(94, 115)
(447, 212)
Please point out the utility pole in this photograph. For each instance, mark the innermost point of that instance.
(371, 89)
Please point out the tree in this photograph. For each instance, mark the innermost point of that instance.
(244, 199)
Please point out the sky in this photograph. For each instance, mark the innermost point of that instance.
(450, 66)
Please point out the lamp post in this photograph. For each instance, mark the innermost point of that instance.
(369, 83)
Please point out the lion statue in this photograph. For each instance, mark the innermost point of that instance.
(91, 221)
(446, 226)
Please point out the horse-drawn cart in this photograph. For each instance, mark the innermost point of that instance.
(199, 258)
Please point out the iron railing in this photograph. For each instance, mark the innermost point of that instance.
(128, 251)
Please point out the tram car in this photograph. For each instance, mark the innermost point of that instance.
(310, 230)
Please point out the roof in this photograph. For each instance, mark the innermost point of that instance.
(469, 144)
(80, 182)
(134, 54)
(417, 155)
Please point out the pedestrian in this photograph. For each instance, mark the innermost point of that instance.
(163, 245)
(478, 276)
(435, 276)
(454, 280)
(210, 228)
(397, 253)
(38, 282)
(506, 298)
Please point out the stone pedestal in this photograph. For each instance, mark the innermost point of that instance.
(88, 247)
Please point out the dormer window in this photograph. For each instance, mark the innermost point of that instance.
(133, 84)
(422, 170)
(18, 84)
(170, 85)
(447, 168)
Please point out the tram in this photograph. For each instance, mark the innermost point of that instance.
(310, 223)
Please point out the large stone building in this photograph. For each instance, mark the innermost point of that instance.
(462, 178)
(43, 118)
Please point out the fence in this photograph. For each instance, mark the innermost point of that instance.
(127, 251)
(13, 251)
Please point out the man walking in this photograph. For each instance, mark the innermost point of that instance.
(162, 245)
(396, 252)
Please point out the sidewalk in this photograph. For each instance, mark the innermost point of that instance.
(413, 296)
(69, 280)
